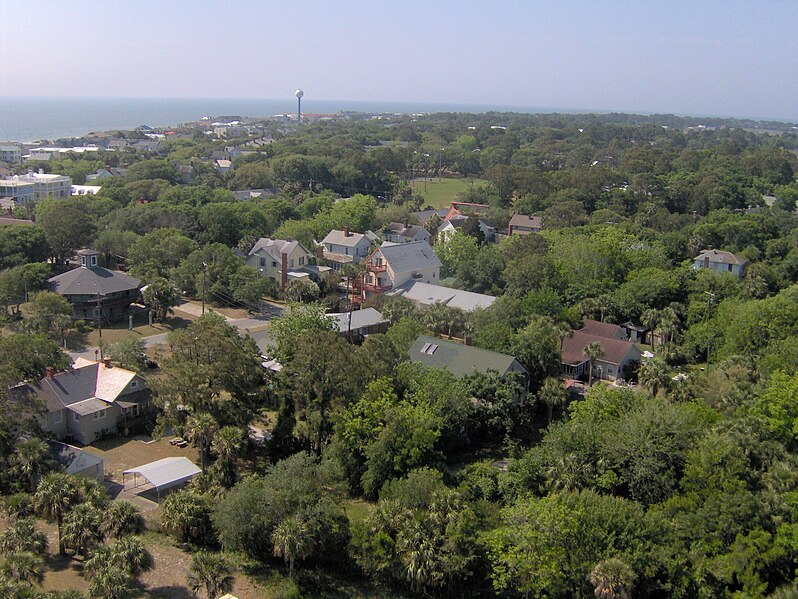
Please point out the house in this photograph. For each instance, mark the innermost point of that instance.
(424, 216)
(603, 329)
(720, 261)
(345, 247)
(118, 144)
(35, 186)
(405, 232)
(521, 224)
(636, 333)
(279, 260)
(91, 400)
(99, 174)
(359, 324)
(76, 461)
(91, 288)
(11, 153)
(393, 264)
(617, 354)
(462, 360)
(252, 194)
(458, 221)
(223, 166)
(427, 294)
(147, 145)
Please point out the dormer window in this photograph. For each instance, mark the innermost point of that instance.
(93, 260)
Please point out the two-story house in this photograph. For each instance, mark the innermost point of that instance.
(405, 233)
(91, 400)
(521, 224)
(277, 259)
(617, 351)
(458, 221)
(345, 247)
(393, 264)
(95, 291)
(721, 261)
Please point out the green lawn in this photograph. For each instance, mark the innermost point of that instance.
(439, 194)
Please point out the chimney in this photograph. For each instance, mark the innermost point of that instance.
(320, 251)
(346, 232)
(406, 221)
(468, 340)
(49, 372)
(107, 362)
(284, 269)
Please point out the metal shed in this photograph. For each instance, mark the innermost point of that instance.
(163, 474)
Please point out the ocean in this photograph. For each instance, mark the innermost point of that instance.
(30, 119)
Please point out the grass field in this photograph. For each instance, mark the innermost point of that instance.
(439, 194)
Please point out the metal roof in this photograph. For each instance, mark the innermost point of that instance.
(428, 294)
(167, 472)
(460, 359)
(366, 317)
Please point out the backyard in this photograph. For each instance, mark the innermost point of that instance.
(441, 193)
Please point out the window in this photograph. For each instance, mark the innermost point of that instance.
(291, 263)
(56, 417)
(75, 416)
(134, 384)
(263, 261)
(301, 261)
(274, 264)
(98, 415)
(94, 260)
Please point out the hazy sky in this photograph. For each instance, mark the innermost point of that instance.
(726, 58)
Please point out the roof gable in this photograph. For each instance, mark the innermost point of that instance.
(338, 237)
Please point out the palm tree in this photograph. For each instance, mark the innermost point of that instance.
(23, 535)
(668, 323)
(653, 375)
(131, 554)
(612, 579)
(212, 572)
(23, 566)
(649, 319)
(563, 330)
(200, 430)
(122, 518)
(93, 493)
(82, 528)
(112, 582)
(17, 506)
(292, 541)
(593, 352)
(55, 495)
(228, 442)
(32, 460)
(553, 394)
(441, 319)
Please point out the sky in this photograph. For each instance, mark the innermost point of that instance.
(700, 57)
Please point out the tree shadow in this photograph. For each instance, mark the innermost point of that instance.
(170, 592)
(58, 563)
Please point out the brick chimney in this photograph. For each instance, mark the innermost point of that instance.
(320, 251)
(49, 372)
(406, 221)
(284, 269)
(107, 362)
(468, 341)
(346, 232)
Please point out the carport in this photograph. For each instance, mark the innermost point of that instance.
(163, 474)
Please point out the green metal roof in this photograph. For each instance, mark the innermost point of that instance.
(460, 359)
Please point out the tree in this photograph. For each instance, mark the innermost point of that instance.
(51, 313)
(553, 395)
(650, 319)
(32, 460)
(653, 375)
(161, 297)
(200, 430)
(301, 291)
(22, 245)
(23, 536)
(292, 541)
(67, 225)
(112, 582)
(187, 515)
(156, 253)
(295, 320)
(131, 554)
(23, 567)
(229, 442)
(81, 528)
(593, 352)
(211, 572)
(128, 353)
(613, 579)
(122, 518)
(56, 494)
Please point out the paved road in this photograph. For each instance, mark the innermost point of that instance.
(251, 326)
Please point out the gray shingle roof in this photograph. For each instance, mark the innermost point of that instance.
(721, 257)
(337, 237)
(460, 359)
(522, 220)
(409, 257)
(274, 247)
(86, 281)
(402, 230)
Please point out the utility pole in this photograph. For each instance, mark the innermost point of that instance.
(100, 324)
(204, 285)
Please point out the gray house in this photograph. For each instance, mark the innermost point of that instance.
(91, 400)
(345, 247)
(721, 261)
(91, 286)
(405, 232)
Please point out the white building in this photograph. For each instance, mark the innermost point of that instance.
(393, 264)
(35, 186)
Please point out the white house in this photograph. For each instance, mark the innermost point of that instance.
(456, 222)
(35, 186)
(278, 259)
(721, 261)
(345, 247)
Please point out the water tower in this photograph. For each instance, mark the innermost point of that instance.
(299, 93)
